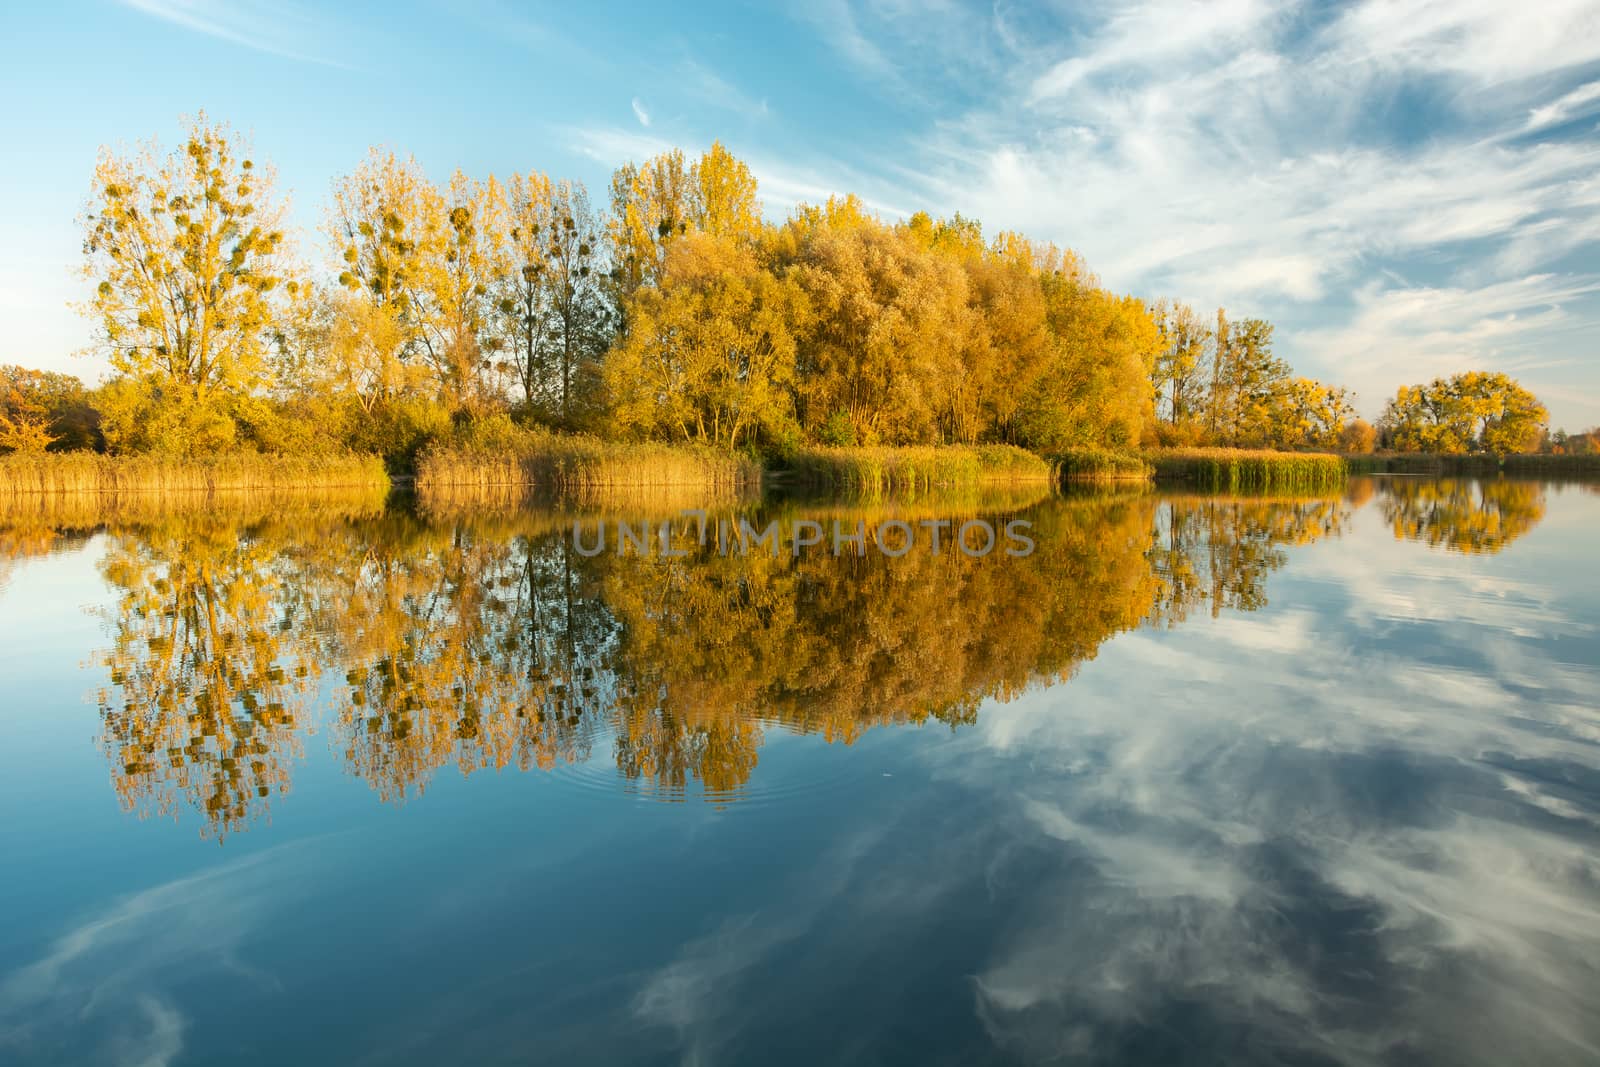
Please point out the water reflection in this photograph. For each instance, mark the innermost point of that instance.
(1462, 514)
(1325, 797)
(426, 640)
(490, 642)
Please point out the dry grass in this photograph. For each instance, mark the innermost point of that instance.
(1234, 469)
(878, 470)
(86, 511)
(575, 464)
(32, 475)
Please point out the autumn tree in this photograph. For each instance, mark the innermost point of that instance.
(1095, 387)
(189, 259)
(1463, 515)
(710, 350)
(1305, 413)
(725, 195)
(891, 324)
(44, 409)
(1007, 348)
(666, 197)
(460, 265)
(1246, 382)
(1180, 376)
(1474, 411)
(650, 205)
(1357, 437)
(382, 225)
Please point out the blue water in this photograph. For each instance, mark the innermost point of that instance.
(1201, 780)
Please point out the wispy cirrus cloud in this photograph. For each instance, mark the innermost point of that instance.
(708, 87)
(276, 29)
(1288, 160)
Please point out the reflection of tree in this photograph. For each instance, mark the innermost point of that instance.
(1463, 515)
(472, 648)
(209, 664)
(830, 644)
(491, 643)
(31, 541)
(1221, 549)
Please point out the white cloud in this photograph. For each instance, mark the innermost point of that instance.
(1249, 155)
(277, 29)
(708, 87)
(1434, 807)
(1573, 104)
(640, 113)
(1400, 334)
(1153, 35)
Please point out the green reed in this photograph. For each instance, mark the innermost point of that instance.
(879, 469)
(1538, 463)
(1232, 469)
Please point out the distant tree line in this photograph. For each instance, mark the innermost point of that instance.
(676, 313)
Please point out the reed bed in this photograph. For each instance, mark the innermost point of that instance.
(577, 464)
(1535, 464)
(1100, 465)
(79, 473)
(879, 470)
(92, 510)
(1236, 469)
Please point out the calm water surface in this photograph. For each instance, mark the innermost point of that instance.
(1202, 779)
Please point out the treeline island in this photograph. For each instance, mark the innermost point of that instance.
(506, 331)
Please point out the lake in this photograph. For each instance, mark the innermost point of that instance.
(1191, 779)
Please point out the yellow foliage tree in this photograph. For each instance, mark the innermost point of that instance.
(187, 252)
(710, 351)
(1474, 411)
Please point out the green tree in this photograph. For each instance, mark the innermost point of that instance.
(581, 317)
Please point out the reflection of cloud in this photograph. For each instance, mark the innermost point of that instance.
(99, 993)
(1383, 844)
(696, 994)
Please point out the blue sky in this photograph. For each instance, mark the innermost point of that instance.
(1405, 188)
